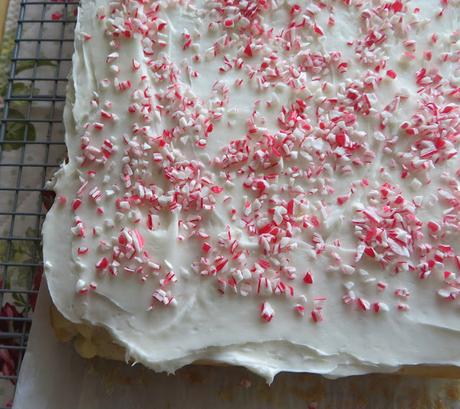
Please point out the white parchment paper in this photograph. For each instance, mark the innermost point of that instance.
(54, 376)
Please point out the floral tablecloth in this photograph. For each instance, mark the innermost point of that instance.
(19, 304)
(8, 358)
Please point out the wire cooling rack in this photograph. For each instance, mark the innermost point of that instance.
(31, 148)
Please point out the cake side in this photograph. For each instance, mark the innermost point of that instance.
(264, 184)
(90, 342)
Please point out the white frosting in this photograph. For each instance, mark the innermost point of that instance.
(417, 319)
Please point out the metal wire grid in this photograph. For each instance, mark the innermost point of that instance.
(31, 148)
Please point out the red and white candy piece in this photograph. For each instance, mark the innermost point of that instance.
(266, 312)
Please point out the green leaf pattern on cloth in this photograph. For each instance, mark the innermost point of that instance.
(17, 131)
(19, 252)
